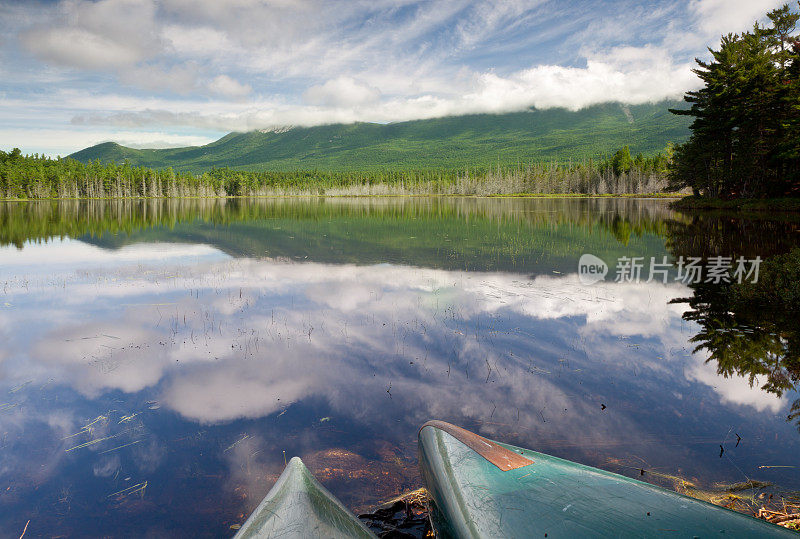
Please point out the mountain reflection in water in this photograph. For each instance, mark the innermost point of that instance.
(156, 372)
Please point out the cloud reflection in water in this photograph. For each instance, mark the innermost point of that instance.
(385, 347)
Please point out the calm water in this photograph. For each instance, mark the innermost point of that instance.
(159, 361)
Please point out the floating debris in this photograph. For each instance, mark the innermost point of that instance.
(788, 517)
(403, 516)
(127, 418)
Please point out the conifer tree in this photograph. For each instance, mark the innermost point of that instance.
(744, 139)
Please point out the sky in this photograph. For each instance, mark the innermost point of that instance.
(167, 73)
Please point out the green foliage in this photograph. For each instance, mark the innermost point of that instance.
(478, 141)
(745, 138)
(778, 287)
(37, 177)
(622, 162)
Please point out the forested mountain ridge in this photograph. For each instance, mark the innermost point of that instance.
(478, 140)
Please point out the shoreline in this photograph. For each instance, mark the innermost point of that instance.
(742, 204)
(675, 196)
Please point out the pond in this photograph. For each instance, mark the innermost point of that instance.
(161, 360)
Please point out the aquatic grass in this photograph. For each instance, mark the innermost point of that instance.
(138, 488)
(20, 386)
(119, 447)
(237, 442)
(90, 443)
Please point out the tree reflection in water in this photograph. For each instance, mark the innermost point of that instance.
(748, 329)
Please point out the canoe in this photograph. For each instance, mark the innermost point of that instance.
(483, 488)
(298, 506)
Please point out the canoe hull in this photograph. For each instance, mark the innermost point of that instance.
(472, 497)
(299, 506)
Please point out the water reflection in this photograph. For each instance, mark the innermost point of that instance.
(748, 330)
(473, 234)
(154, 378)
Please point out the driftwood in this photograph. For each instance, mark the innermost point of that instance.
(785, 518)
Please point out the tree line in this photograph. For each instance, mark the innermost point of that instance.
(41, 177)
(745, 138)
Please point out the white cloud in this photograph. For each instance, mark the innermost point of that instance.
(98, 357)
(46, 258)
(718, 17)
(180, 79)
(97, 35)
(226, 86)
(342, 92)
(65, 141)
(80, 48)
(734, 389)
(197, 41)
(345, 100)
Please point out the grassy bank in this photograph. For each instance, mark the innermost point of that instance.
(740, 204)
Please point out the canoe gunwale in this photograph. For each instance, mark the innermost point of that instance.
(503, 458)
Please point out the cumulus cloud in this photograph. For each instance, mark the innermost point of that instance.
(717, 17)
(81, 48)
(97, 35)
(342, 92)
(226, 86)
(180, 79)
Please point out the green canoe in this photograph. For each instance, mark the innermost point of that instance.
(298, 506)
(482, 488)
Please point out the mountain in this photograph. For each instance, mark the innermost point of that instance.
(451, 142)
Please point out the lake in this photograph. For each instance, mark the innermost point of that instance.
(160, 360)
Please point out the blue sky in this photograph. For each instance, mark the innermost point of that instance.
(160, 73)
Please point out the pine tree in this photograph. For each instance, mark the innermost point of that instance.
(744, 139)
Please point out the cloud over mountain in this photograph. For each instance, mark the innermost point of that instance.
(250, 64)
